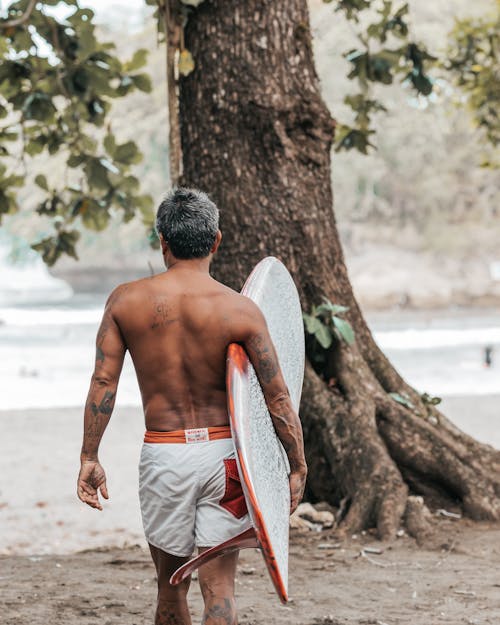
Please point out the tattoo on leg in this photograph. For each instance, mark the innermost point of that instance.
(166, 616)
(220, 614)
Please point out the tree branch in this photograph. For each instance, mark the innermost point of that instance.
(20, 20)
(172, 29)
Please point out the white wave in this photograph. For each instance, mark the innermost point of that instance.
(50, 316)
(413, 338)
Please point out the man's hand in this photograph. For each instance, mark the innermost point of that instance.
(297, 481)
(91, 480)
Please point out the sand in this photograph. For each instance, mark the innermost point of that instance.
(455, 580)
(50, 571)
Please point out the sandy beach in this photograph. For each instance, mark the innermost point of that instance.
(62, 562)
(453, 580)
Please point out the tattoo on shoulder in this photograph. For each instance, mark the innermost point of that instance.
(267, 364)
(162, 313)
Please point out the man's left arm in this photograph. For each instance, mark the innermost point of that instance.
(110, 353)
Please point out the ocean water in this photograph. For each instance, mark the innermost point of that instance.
(47, 352)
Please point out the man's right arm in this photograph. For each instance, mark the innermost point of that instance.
(260, 349)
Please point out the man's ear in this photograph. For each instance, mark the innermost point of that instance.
(164, 246)
(218, 239)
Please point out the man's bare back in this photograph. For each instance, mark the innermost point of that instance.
(177, 327)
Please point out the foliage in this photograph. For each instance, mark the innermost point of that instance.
(385, 51)
(324, 327)
(325, 324)
(428, 400)
(57, 81)
(473, 60)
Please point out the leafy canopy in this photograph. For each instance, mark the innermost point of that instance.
(58, 81)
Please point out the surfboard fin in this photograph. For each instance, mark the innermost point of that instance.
(245, 540)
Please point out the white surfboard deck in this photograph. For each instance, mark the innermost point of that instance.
(262, 462)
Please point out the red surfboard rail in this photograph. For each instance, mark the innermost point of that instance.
(237, 359)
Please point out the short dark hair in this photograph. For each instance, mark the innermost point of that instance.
(188, 220)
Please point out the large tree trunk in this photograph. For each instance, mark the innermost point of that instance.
(257, 136)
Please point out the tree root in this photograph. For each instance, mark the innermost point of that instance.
(364, 447)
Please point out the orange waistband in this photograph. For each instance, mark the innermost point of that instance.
(194, 435)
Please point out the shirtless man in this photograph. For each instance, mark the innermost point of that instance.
(177, 326)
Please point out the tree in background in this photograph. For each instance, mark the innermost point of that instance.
(57, 82)
(252, 128)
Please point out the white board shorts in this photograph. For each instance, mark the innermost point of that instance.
(190, 495)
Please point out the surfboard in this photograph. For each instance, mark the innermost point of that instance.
(262, 462)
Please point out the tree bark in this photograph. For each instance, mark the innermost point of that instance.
(257, 136)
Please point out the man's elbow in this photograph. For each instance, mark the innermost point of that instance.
(104, 380)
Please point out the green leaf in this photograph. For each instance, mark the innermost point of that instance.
(137, 61)
(75, 160)
(127, 153)
(430, 400)
(142, 82)
(344, 329)
(97, 174)
(129, 183)
(8, 203)
(145, 204)
(41, 181)
(110, 144)
(39, 107)
(401, 400)
(35, 146)
(94, 216)
(312, 323)
(51, 248)
(324, 336)
(328, 307)
(423, 84)
(352, 138)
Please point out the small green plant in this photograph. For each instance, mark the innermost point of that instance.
(428, 400)
(325, 324)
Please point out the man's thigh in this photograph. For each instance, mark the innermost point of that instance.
(166, 564)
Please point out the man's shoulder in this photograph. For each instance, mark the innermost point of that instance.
(128, 290)
(242, 311)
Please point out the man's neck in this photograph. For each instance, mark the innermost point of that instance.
(198, 265)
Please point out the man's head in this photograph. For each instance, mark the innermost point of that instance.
(187, 222)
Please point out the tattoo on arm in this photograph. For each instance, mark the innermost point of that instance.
(110, 352)
(96, 419)
(285, 419)
(266, 363)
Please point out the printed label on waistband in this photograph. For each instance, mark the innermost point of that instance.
(196, 435)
